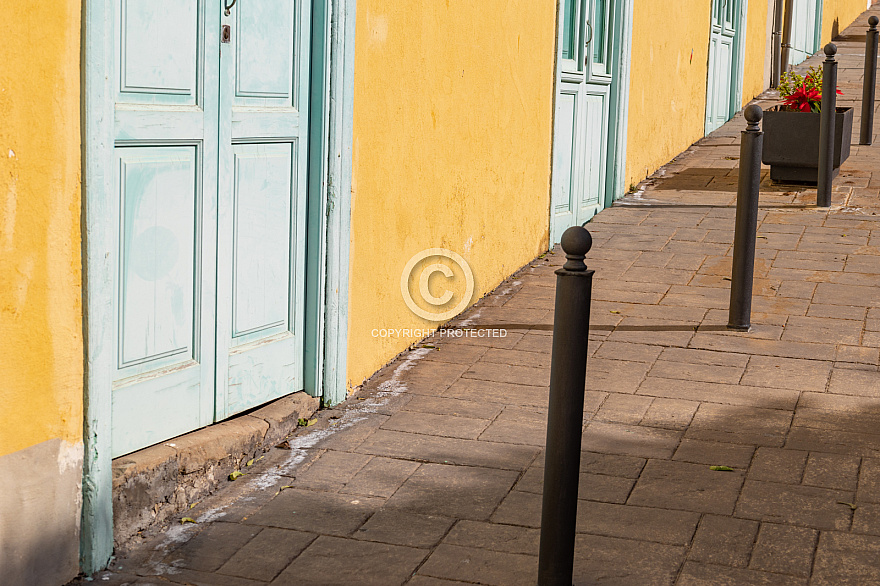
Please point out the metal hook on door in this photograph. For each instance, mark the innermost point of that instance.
(229, 6)
(587, 44)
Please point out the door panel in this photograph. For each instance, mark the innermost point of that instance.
(262, 205)
(564, 175)
(166, 176)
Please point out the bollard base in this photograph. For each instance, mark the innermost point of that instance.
(736, 328)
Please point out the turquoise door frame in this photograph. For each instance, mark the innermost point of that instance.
(328, 210)
(734, 91)
(614, 163)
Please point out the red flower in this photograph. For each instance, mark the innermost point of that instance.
(804, 99)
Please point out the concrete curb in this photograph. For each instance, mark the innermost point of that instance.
(154, 484)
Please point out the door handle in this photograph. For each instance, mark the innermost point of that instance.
(587, 44)
(229, 6)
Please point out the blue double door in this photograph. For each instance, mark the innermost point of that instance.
(209, 162)
(581, 124)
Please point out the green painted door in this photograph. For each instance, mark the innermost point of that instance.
(210, 172)
(580, 138)
(804, 30)
(720, 88)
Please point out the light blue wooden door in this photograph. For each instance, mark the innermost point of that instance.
(804, 33)
(210, 158)
(580, 137)
(262, 203)
(165, 152)
(720, 104)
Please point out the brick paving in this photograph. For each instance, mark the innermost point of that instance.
(432, 474)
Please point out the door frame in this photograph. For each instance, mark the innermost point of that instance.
(327, 248)
(737, 67)
(618, 108)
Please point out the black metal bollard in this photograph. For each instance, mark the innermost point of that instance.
(826, 127)
(746, 221)
(870, 82)
(568, 365)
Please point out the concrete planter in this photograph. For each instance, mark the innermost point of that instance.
(791, 143)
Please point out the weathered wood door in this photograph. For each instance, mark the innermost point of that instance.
(720, 89)
(580, 137)
(210, 160)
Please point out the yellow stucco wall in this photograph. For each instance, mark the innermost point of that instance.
(837, 15)
(40, 291)
(452, 138)
(667, 102)
(754, 81)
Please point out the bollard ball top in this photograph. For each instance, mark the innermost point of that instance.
(576, 243)
(830, 49)
(873, 21)
(753, 114)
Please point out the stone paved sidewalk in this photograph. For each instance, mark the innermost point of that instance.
(431, 475)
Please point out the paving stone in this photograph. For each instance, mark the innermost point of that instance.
(622, 408)
(212, 547)
(455, 353)
(697, 372)
(403, 528)
(629, 440)
(594, 487)
(431, 378)
(331, 471)
(457, 407)
(687, 487)
(719, 393)
(434, 424)
(837, 311)
(504, 393)
(607, 464)
(739, 424)
(333, 560)
(714, 453)
(778, 465)
(463, 492)
(784, 549)
(724, 541)
(832, 471)
(507, 373)
(640, 523)
(481, 566)
(517, 358)
(494, 537)
(394, 444)
(845, 558)
(839, 442)
(670, 413)
(429, 581)
(693, 574)
(197, 578)
(380, 477)
(315, 512)
(863, 383)
(869, 481)
(614, 376)
(518, 425)
(610, 560)
(741, 344)
(787, 373)
(628, 351)
(267, 554)
(835, 294)
(794, 505)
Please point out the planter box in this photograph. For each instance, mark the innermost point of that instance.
(791, 143)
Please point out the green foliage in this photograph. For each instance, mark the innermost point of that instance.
(790, 81)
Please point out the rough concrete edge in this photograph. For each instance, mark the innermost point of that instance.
(158, 482)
